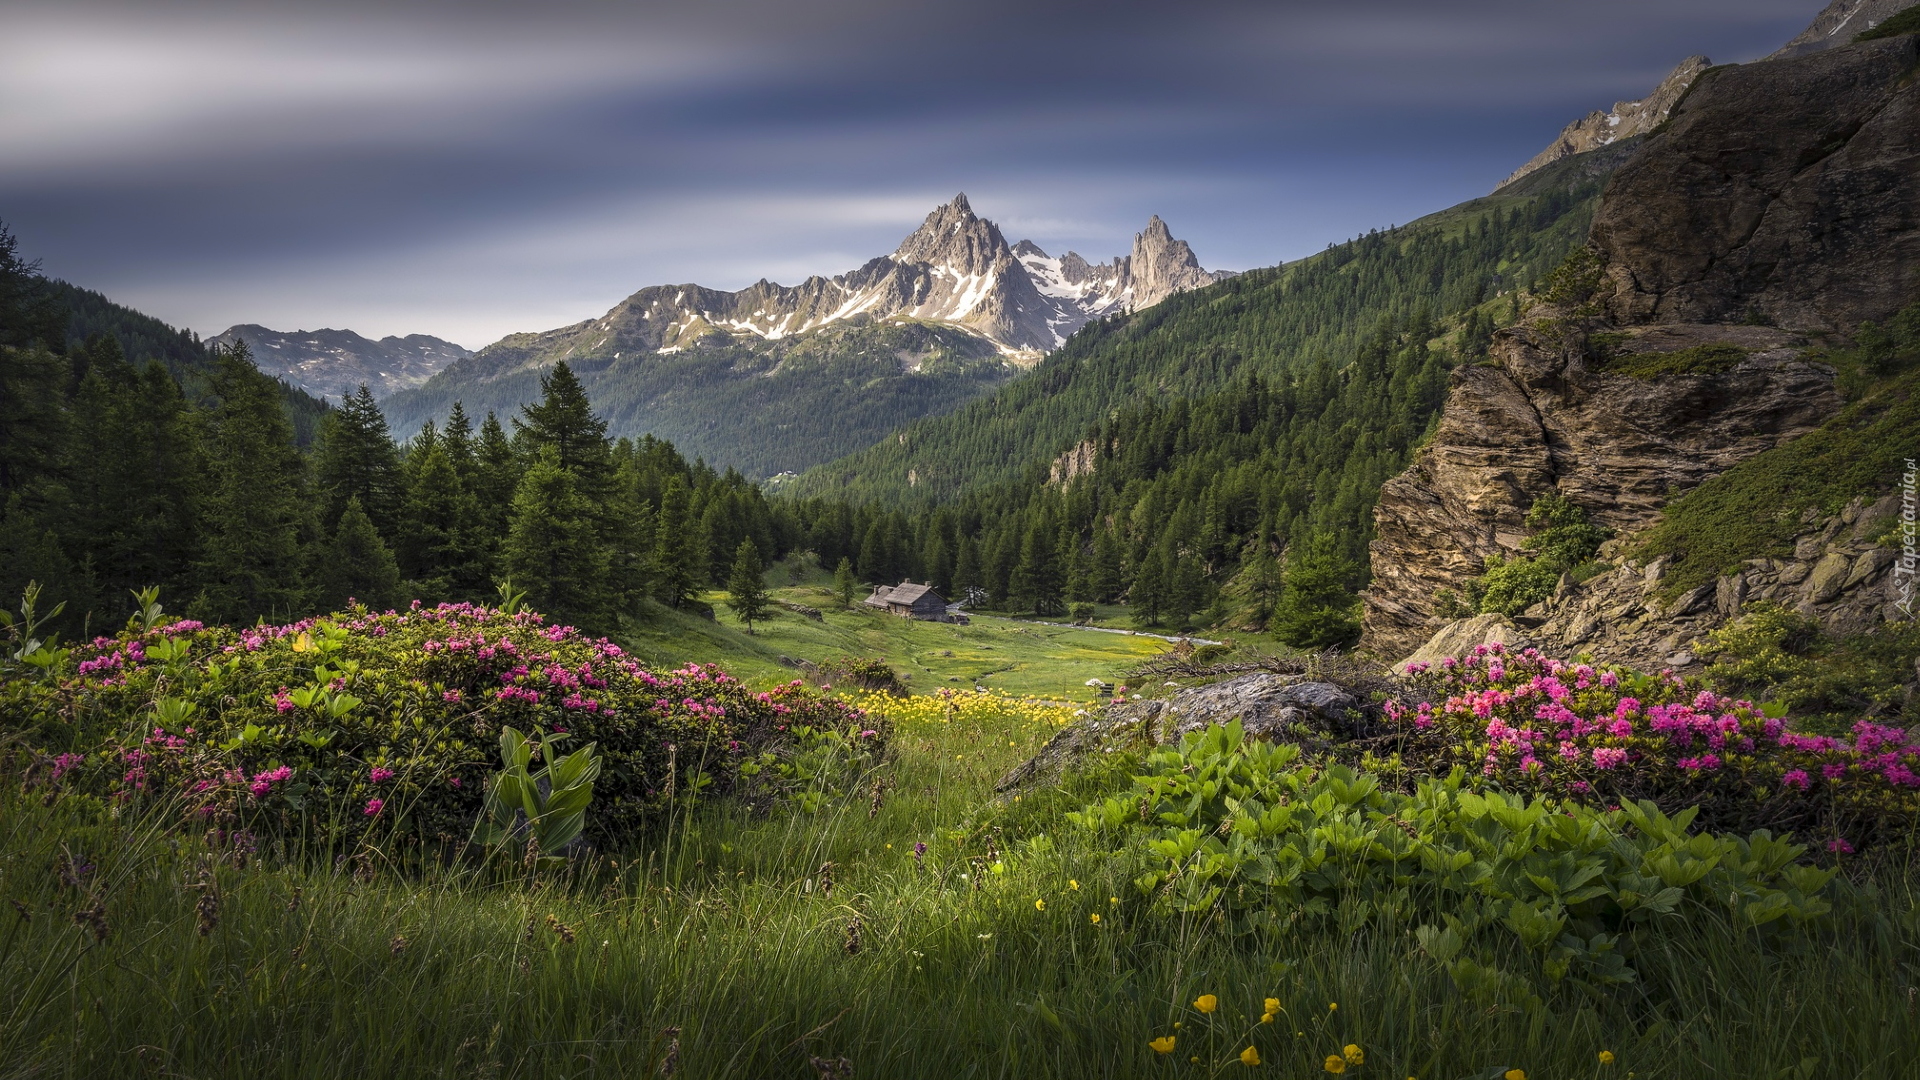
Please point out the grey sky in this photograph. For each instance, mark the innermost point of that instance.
(471, 169)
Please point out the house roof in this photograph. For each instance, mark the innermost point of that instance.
(908, 593)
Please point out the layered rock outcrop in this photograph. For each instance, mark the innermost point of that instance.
(1778, 191)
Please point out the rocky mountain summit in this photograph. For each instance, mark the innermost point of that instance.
(1777, 212)
(1838, 23)
(334, 363)
(776, 378)
(1624, 121)
(956, 269)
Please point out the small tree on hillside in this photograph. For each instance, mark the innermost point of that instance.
(357, 564)
(747, 585)
(844, 584)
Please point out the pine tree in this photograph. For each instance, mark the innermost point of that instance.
(357, 565)
(1036, 579)
(564, 420)
(1316, 608)
(357, 460)
(747, 586)
(844, 583)
(674, 573)
(496, 476)
(256, 513)
(438, 538)
(552, 553)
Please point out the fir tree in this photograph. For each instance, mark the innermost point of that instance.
(256, 513)
(357, 460)
(674, 572)
(357, 565)
(1316, 607)
(747, 585)
(552, 552)
(844, 583)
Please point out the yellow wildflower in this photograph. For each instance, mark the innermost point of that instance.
(1335, 1064)
(1353, 1054)
(1514, 1074)
(1162, 1045)
(1039, 905)
(1250, 1056)
(1266, 1018)
(1606, 1057)
(1332, 1005)
(1113, 899)
(1096, 918)
(1072, 884)
(1272, 1006)
(1206, 1003)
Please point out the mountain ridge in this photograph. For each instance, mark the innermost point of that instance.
(330, 362)
(953, 312)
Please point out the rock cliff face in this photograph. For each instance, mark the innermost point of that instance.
(1774, 184)
(1783, 190)
(1544, 417)
(1838, 23)
(1625, 120)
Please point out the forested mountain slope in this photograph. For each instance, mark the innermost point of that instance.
(1273, 323)
(92, 320)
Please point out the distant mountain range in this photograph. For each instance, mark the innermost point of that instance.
(775, 378)
(334, 363)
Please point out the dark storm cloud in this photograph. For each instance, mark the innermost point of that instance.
(471, 169)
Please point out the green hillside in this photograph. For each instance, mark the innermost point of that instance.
(142, 339)
(1274, 323)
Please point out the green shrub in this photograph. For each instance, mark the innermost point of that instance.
(1906, 22)
(1771, 653)
(1222, 822)
(1699, 360)
(1563, 542)
(339, 727)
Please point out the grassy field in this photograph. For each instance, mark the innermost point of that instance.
(729, 944)
(1001, 654)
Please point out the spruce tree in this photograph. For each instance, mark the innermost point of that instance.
(1317, 604)
(439, 531)
(844, 583)
(255, 498)
(358, 460)
(552, 552)
(564, 420)
(357, 565)
(1037, 579)
(747, 585)
(674, 580)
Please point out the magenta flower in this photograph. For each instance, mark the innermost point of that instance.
(380, 775)
(374, 806)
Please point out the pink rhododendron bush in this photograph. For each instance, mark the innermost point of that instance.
(1603, 735)
(335, 727)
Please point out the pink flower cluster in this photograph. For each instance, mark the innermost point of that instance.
(1525, 713)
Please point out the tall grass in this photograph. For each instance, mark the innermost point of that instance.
(981, 960)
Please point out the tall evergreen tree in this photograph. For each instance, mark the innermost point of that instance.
(1317, 607)
(358, 460)
(356, 565)
(747, 585)
(255, 498)
(844, 583)
(552, 553)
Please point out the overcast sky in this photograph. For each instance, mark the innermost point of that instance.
(472, 169)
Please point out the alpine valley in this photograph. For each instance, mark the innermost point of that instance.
(777, 378)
